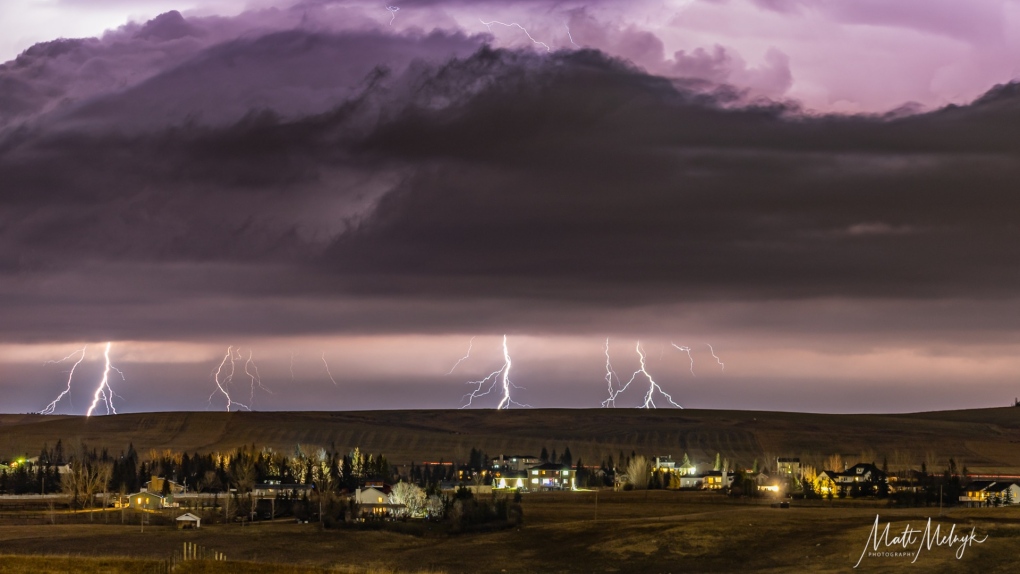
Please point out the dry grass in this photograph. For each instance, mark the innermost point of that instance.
(653, 531)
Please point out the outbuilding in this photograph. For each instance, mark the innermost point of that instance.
(188, 520)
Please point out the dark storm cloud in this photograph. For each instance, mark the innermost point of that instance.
(308, 165)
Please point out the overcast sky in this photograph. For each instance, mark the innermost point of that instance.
(780, 205)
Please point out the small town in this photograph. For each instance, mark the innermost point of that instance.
(332, 487)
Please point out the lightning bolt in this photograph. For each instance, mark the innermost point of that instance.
(52, 407)
(222, 385)
(104, 392)
(327, 369)
(499, 378)
(462, 359)
(687, 350)
(569, 36)
(652, 385)
(610, 374)
(722, 365)
(516, 25)
(393, 13)
(255, 378)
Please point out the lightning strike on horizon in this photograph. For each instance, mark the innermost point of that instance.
(610, 373)
(462, 359)
(52, 407)
(327, 369)
(104, 386)
(722, 365)
(255, 378)
(222, 385)
(499, 377)
(652, 387)
(513, 24)
(393, 13)
(687, 350)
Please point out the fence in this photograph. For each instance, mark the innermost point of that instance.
(190, 551)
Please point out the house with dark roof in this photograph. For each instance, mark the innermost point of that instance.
(861, 474)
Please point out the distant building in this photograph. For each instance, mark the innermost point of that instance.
(188, 520)
(148, 501)
(514, 462)
(861, 474)
(717, 479)
(664, 463)
(551, 476)
(277, 489)
(512, 480)
(788, 467)
(373, 501)
(991, 493)
(155, 485)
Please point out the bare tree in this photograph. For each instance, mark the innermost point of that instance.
(834, 462)
(104, 474)
(638, 471)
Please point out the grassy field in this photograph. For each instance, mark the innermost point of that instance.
(641, 531)
(986, 440)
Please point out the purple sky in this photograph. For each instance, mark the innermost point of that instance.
(822, 191)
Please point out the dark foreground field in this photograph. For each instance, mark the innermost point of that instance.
(649, 531)
(985, 440)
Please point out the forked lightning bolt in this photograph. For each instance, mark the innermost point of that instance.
(610, 375)
(255, 378)
(499, 378)
(104, 392)
(223, 385)
(652, 385)
(393, 13)
(462, 359)
(52, 407)
(516, 25)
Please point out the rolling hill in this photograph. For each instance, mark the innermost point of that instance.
(985, 440)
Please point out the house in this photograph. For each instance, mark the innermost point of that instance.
(514, 462)
(788, 467)
(272, 489)
(148, 501)
(861, 474)
(991, 493)
(692, 481)
(551, 476)
(156, 486)
(664, 463)
(188, 520)
(512, 480)
(373, 501)
(717, 479)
